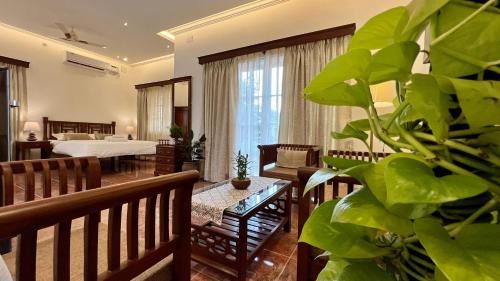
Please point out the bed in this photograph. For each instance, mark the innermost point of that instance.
(98, 148)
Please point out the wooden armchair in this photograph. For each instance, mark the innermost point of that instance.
(348, 181)
(70, 175)
(269, 155)
(308, 265)
(81, 255)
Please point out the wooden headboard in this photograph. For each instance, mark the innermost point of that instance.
(51, 127)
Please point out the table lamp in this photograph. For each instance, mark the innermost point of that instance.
(130, 130)
(383, 94)
(31, 127)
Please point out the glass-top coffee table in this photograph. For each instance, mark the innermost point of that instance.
(245, 228)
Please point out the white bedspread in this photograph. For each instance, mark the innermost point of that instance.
(103, 149)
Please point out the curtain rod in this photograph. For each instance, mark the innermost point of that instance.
(12, 61)
(163, 82)
(324, 34)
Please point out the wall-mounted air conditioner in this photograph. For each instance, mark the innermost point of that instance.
(90, 63)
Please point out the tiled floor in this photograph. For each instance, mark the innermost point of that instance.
(278, 261)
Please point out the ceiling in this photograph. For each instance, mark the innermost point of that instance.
(102, 22)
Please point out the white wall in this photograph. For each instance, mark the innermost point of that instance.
(66, 92)
(156, 70)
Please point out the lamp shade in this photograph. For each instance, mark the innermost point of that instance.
(31, 127)
(129, 129)
(383, 93)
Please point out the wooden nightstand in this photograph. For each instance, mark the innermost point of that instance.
(22, 146)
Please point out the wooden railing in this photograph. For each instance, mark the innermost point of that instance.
(26, 219)
(84, 171)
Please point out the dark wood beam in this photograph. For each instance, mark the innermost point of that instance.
(163, 82)
(14, 61)
(281, 43)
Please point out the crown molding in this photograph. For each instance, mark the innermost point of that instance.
(222, 16)
(153, 60)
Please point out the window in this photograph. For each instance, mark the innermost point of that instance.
(260, 88)
(159, 102)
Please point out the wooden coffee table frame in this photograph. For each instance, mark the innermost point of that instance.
(232, 246)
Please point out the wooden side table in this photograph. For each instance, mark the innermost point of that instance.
(23, 146)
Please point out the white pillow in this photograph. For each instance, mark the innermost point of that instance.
(59, 136)
(288, 158)
(92, 136)
(4, 271)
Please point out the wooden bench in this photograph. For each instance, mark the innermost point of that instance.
(99, 251)
(70, 174)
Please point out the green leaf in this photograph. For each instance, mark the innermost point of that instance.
(364, 271)
(477, 40)
(374, 177)
(362, 208)
(424, 95)
(351, 167)
(350, 132)
(479, 100)
(474, 254)
(393, 62)
(491, 140)
(342, 94)
(361, 124)
(343, 163)
(421, 10)
(332, 270)
(341, 239)
(381, 30)
(351, 65)
(319, 177)
(411, 181)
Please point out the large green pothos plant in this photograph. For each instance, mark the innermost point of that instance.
(429, 211)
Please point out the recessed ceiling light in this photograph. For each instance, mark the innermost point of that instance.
(125, 59)
(125, 24)
(118, 57)
(168, 46)
(104, 47)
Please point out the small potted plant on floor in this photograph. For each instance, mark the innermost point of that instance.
(241, 181)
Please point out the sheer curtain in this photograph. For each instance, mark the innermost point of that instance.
(260, 78)
(142, 114)
(154, 112)
(220, 97)
(304, 122)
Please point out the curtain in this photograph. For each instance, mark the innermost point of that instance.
(142, 114)
(301, 121)
(259, 102)
(18, 90)
(220, 102)
(154, 112)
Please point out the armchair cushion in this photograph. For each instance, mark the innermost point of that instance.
(281, 173)
(287, 158)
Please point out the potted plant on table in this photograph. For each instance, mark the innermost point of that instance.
(429, 211)
(241, 181)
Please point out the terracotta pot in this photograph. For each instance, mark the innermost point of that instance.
(240, 184)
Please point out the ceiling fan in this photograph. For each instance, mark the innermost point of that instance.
(70, 35)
